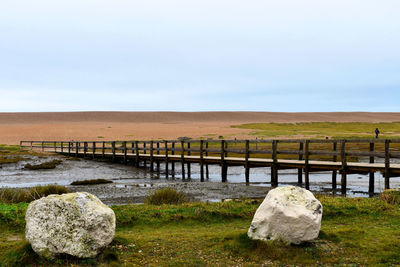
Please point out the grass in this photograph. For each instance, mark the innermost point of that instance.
(333, 130)
(91, 182)
(43, 166)
(18, 195)
(355, 231)
(166, 196)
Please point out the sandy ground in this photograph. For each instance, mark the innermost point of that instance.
(15, 127)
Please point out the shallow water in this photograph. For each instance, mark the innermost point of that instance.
(13, 175)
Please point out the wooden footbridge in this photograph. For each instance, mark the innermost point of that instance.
(307, 156)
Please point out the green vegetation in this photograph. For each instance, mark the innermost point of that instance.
(322, 129)
(8, 159)
(355, 231)
(166, 196)
(91, 182)
(17, 195)
(45, 165)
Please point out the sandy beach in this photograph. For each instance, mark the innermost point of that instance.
(15, 127)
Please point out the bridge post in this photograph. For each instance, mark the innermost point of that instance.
(125, 152)
(387, 164)
(224, 166)
(344, 167)
(274, 170)
(76, 149)
(113, 150)
(151, 156)
(42, 146)
(62, 147)
(300, 170)
(55, 146)
(173, 162)
(144, 151)
(94, 150)
(103, 148)
(201, 161)
(69, 148)
(84, 149)
(137, 153)
(306, 165)
(166, 159)
(31, 145)
(246, 164)
(334, 172)
(188, 164)
(183, 159)
(158, 159)
(371, 187)
(207, 172)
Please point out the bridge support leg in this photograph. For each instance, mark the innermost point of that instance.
(344, 182)
(189, 172)
(247, 174)
(334, 181)
(307, 177)
(183, 170)
(371, 187)
(300, 176)
(224, 173)
(274, 176)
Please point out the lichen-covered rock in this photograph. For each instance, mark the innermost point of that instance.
(291, 214)
(78, 224)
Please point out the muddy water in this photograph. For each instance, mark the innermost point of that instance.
(132, 185)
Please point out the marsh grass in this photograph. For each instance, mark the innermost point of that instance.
(391, 196)
(43, 166)
(355, 232)
(17, 195)
(166, 196)
(334, 130)
(92, 182)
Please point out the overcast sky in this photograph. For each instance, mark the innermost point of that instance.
(75, 55)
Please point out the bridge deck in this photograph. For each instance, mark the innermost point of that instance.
(257, 162)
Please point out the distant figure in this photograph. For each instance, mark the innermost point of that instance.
(377, 132)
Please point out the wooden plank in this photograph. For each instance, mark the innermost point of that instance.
(183, 159)
(387, 164)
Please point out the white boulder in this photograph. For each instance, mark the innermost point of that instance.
(78, 224)
(290, 213)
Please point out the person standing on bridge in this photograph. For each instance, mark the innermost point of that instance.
(377, 132)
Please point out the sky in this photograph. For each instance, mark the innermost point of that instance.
(208, 55)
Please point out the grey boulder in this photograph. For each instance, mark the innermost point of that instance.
(77, 224)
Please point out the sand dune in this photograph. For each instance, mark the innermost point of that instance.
(152, 125)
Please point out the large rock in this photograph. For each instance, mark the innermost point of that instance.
(78, 224)
(291, 214)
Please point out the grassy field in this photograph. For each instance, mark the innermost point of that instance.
(357, 231)
(322, 129)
